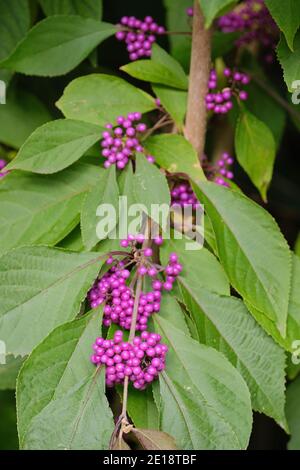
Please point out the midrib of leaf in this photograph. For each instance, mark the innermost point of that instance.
(191, 378)
(244, 251)
(58, 281)
(226, 341)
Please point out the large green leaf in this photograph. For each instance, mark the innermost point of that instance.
(177, 20)
(200, 267)
(225, 324)
(293, 319)
(290, 60)
(174, 101)
(41, 288)
(37, 209)
(162, 68)
(212, 8)
(14, 23)
(150, 187)
(86, 8)
(61, 395)
(175, 154)
(287, 16)
(293, 414)
(9, 372)
(105, 191)
(100, 98)
(21, 115)
(251, 249)
(255, 149)
(205, 403)
(55, 146)
(57, 44)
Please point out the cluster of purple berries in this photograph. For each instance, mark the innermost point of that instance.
(119, 298)
(254, 21)
(220, 102)
(3, 164)
(223, 170)
(141, 361)
(120, 143)
(139, 36)
(183, 195)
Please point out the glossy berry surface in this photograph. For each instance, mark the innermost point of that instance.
(139, 35)
(221, 101)
(121, 141)
(141, 360)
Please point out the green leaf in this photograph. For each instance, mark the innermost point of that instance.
(203, 397)
(100, 98)
(142, 409)
(293, 319)
(265, 108)
(154, 440)
(175, 154)
(9, 372)
(287, 16)
(251, 249)
(56, 45)
(86, 8)
(105, 191)
(173, 313)
(41, 288)
(174, 101)
(55, 146)
(225, 324)
(20, 116)
(73, 241)
(293, 414)
(42, 210)
(150, 187)
(162, 68)
(14, 23)
(297, 245)
(63, 405)
(200, 267)
(290, 61)
(212, 8)
(177, 20)
(255, 148)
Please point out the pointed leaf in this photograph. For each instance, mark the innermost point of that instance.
(174, 101)
(255, 149)
(42, 210)
(287, 16)
(293, 414)
(63, 405)
(175, 154)
(225, 324)
(251, 249)
(204, 400)
(212, 8)
(9, 372)
(57, 44)
(41, 288)
(100, 98)
(55, 146)
(290, 61)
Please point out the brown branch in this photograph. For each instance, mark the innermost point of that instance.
(195, 127)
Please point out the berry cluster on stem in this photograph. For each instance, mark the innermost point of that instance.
(139, 35)
(220, 101)
(121, 142)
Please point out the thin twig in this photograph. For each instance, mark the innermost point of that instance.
(163, 121)
(195, 128)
